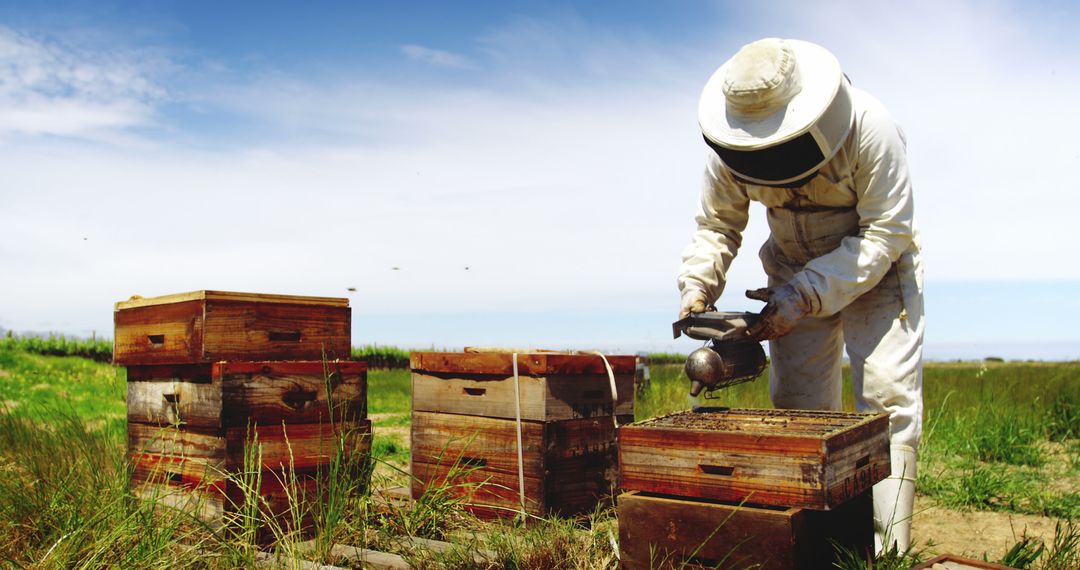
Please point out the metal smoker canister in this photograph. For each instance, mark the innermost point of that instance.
(723, 364)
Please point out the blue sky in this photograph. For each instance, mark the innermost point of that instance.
(157, 147)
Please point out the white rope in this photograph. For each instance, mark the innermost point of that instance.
(520, 453)
(611, 382)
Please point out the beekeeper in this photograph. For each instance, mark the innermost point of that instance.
(787, 129)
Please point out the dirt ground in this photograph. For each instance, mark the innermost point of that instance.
(973, 533)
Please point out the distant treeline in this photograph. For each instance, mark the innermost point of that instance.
(377, 356)
(60, 345)
(381, 356)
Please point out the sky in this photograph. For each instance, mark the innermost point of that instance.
(503, 173)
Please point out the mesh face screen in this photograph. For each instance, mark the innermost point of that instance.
(797, 157)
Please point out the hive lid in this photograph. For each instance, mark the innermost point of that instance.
(531, 363)
(137, 301)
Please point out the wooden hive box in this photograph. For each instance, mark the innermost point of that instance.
(211, 326)
(191, 429)
(464, 428)
(658, 531)
(790, 458)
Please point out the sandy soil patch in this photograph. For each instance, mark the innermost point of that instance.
(973, 533)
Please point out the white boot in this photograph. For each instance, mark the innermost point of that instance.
(894, 501)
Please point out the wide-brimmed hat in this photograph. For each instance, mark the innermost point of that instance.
(777, 111)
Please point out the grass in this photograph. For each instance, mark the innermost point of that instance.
(99, 350)
(999, 436)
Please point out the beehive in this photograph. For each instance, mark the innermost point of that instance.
(212, 326)
(192, 431)
(465, 428)
(788, 458)
(657, 532)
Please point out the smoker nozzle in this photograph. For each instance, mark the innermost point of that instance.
(696, 387)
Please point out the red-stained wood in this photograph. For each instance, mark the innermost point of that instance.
(817, 460)
(529, 364)
(297, 446)
(193, 328)
(657, 532)
(205, 474)
(569, 465)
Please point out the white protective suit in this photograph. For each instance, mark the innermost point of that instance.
(847, 242)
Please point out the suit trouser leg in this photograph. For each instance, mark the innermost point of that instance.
(886, 370)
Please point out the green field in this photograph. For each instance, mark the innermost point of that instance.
(999, 437)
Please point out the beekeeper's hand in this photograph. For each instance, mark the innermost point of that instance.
(784, 307)
(693, 301)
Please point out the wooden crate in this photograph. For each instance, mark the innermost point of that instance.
(569, 465)
(211, 326)
(191, 429)
(669, 532)
(790, 458)
(554, 386)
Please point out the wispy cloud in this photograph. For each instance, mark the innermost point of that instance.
(436, 57)
(49, 88)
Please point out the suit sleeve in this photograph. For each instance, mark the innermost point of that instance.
(721, 220)
(883, 190)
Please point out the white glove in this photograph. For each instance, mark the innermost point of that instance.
(693, 301)
(784, 308)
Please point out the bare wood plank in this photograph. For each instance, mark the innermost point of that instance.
(546, 398)
(175, 402)
(272, 560)
(372, 559)
(954, 562)
(269, 393)
(201, 373)
(532, 364)
(137, 301)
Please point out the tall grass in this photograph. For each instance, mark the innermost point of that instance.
(995, 438)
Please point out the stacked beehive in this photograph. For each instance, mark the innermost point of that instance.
(739, 488)
(211, 374)
(542, 442)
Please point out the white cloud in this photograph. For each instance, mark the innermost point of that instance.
(49, 88)
(434, 56)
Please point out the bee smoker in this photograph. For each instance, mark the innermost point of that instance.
(730, 357)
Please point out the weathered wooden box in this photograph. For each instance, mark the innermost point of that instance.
(465, 428)
(192, 431)
(790, 458)
(569, 465)
(211, 326)
(658, 531)
(553, 386)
